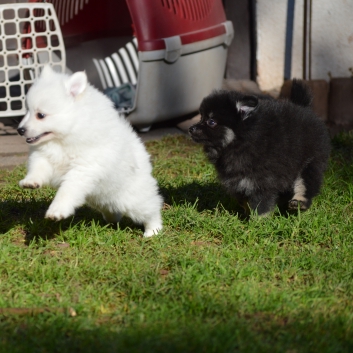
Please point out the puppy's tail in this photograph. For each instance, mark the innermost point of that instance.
(301, 94)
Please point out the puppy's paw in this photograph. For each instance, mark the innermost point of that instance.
(150, 231)
(57, 212)
(30, 183)
(295, 204)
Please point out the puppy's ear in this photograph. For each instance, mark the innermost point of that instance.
(76, 83)
(247, 105)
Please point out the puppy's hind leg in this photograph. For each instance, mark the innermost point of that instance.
(153, 221)
(149, 214)
(306, 186)
(299, 199)
(153, 226)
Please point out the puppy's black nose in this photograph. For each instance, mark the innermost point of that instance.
(21, 130)
(192, 129)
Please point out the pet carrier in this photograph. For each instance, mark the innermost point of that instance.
(30, 37)
(182, 49)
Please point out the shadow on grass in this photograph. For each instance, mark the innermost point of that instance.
(28, 216)
(204, 196)
(212, 195)
(258, 332)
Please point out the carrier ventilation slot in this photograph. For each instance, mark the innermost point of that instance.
(193, 10)
(67, 9)
(120, 67)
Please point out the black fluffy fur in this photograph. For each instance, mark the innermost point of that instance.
(266, 151)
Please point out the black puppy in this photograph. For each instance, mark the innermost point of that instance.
(266, 151)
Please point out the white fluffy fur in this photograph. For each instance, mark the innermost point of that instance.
(90, 154)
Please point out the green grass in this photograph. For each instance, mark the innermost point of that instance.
(210, 282)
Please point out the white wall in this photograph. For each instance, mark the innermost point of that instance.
(332, 40)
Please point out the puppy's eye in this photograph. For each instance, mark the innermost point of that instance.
(40, 115)
(211, 123)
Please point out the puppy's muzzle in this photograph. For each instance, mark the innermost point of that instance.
(21, 131)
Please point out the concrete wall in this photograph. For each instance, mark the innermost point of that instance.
(332, 40)
(239, 52)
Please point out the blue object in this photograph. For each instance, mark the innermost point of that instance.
(122, 96)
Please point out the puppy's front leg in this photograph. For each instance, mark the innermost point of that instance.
(263, 203)
(39, 172)
(71, 195)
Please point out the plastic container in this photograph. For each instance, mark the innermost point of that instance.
(182, 51)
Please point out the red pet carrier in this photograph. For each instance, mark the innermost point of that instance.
(182, 49)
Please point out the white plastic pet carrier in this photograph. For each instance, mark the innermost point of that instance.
(30, 37)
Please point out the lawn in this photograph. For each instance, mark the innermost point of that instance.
(211, 281)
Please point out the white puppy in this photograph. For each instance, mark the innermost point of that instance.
(80, 145)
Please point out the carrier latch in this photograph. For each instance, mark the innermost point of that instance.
(173, 47)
